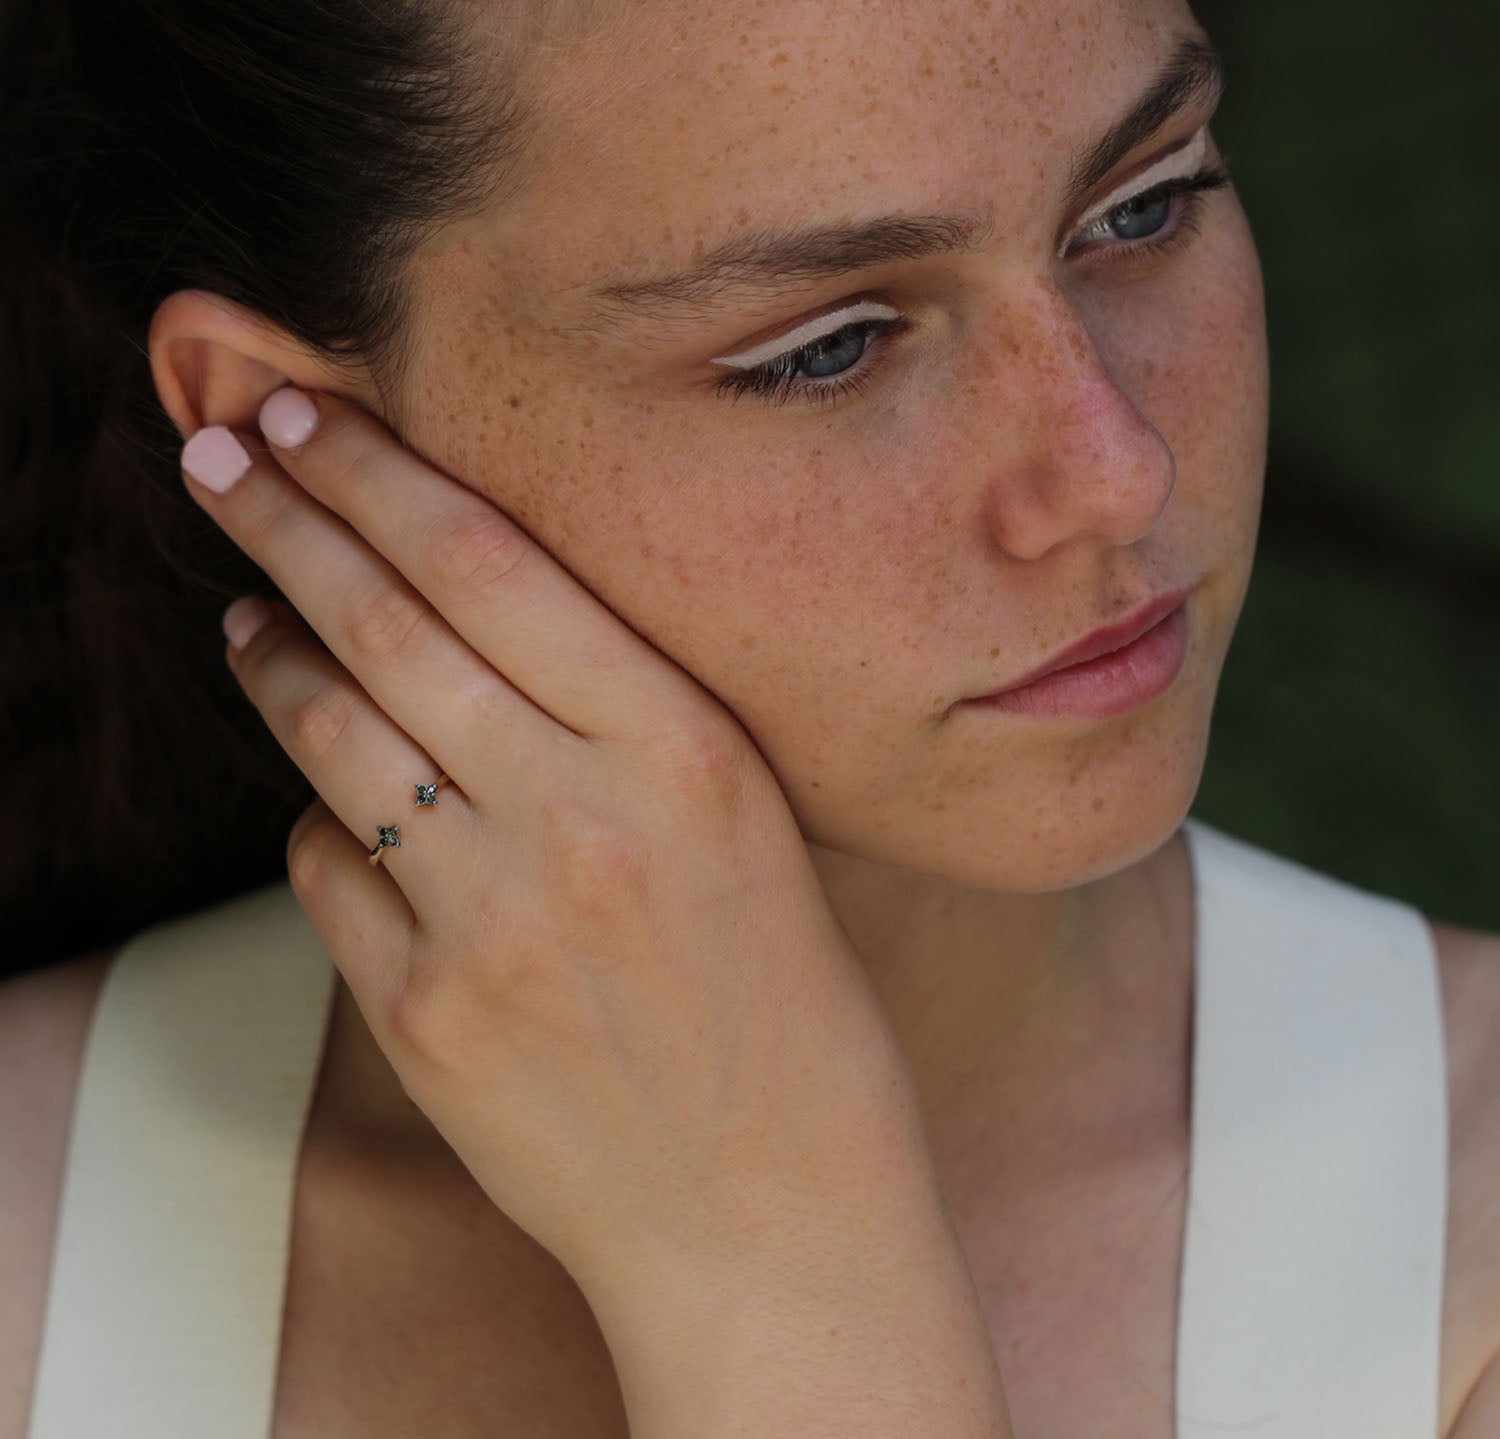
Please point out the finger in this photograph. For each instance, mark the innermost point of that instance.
(360, 915)
(513, 602)
(405, 656)
(365, 769)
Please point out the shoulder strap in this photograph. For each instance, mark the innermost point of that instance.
(1311, 1299)
(164, 1311)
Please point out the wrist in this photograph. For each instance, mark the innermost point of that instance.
(800, 1199)
(867, 1324)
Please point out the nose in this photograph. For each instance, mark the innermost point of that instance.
(1077, 460)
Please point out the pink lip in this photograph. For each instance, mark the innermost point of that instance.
(1107, 672)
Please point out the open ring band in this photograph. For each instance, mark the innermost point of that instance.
(390, 834)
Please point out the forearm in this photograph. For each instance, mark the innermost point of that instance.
(869, 1329)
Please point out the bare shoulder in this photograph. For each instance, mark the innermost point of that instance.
(1469, 974)
(1465, 946)
(44, 1024)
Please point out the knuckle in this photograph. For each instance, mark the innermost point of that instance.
(382, 621)
(476, 553)
(318, 721)
(593, 855)
(709, 756)
(415, 1018)
(312, 847)
(438, 1021)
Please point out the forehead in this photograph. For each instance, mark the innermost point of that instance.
(659, 131)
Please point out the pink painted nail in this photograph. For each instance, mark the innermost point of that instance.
(215, 458)
(245, 619)
(288, 417)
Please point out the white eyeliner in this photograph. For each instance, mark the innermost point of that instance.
(1186, 161)
(804, 334)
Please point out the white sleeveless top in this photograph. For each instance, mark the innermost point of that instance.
(1312, 1265)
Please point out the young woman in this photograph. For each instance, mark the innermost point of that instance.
(760, 496)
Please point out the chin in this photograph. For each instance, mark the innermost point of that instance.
(1068, 848)
(1080, 848)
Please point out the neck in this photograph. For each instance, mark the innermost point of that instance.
(1039, 1028)
(1033, 1024)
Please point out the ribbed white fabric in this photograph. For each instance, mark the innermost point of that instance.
(1312, 1281)
(1312, 1267)
(164, 1312)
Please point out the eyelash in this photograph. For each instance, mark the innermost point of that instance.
(776, 381)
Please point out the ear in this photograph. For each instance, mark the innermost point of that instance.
(214, 362)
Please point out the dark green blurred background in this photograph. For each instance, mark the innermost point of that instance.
(1356, 728)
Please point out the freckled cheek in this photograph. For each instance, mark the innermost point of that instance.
(1233, 394)
(764, 578)
(1199, 374)
(792, 569)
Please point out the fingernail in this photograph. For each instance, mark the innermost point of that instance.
(245, 619)
(215, 458)
(288, 417)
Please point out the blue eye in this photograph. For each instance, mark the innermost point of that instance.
(1146, 215)
(830, 357)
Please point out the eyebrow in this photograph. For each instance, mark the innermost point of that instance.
(770, 260)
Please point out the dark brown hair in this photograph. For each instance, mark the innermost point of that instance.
(289, 155)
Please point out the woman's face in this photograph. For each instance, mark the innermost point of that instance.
(1062, 424)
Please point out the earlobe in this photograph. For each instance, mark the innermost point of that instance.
(214, 361)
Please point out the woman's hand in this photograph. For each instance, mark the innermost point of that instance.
(602, 965)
